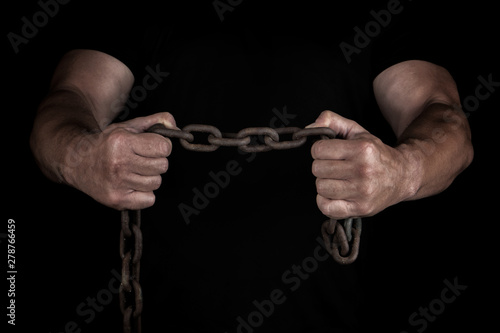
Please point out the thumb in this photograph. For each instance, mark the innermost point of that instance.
(141, 124)
(345, 128)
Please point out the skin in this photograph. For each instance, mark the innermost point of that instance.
(361, 176)
(120, 166)
(73, 142)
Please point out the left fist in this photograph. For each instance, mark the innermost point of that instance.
(358, 176)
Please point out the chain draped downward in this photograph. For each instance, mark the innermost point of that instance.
(130, 292)
(336, 235)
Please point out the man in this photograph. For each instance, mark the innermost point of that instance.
(218, 262)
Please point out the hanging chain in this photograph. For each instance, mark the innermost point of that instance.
(130, 293)
(335, 234)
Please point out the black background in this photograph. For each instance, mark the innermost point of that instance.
(67, 244)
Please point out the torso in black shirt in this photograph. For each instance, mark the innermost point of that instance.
(232, 242)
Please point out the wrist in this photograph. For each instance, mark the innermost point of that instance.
(77, 151)
(412, 171)
(60, 151)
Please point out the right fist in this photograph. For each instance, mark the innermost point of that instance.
(121, 166)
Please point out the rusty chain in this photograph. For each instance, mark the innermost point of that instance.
(335, 234)
(130, 292)
(242, 139)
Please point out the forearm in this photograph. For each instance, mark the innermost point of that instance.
(437, 146)
(87, 92)
(62, 119)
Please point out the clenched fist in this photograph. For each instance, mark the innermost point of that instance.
(359, 175)
(121, 166)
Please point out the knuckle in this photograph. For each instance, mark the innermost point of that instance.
(323, 205)
(367, 171)
(363, 170)
(366, 189)
(326, 117)
(367, 148)
(321, 185)
(118, 138)
(170, 118)
(330, 209)
(318, 148)
(114, 200)
(164, 166)
(165, 146)
(148, 201)
(156, 182)
(161, 145)
(324, 210)
(321, 169)
(118, 143)
(165, 118)
(115, 168)
(315, 168)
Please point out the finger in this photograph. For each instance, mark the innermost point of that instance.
(334, 189)
(141, 183)
(334, 149)
(137, 200)
(140, 124)
(345, 128)
(333, 169)
(151, 145)
(336, 209)
(145, 166)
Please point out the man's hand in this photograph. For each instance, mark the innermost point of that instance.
(357, 175)
(121, 166)
(75, 143)
(360, 175)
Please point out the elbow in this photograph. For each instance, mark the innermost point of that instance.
(33, 142)
(37, 151)
(467, 148)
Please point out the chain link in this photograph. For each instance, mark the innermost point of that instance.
(130, 292)
(242, 139)
(336, 235)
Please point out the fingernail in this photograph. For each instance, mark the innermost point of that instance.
(168, 124)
